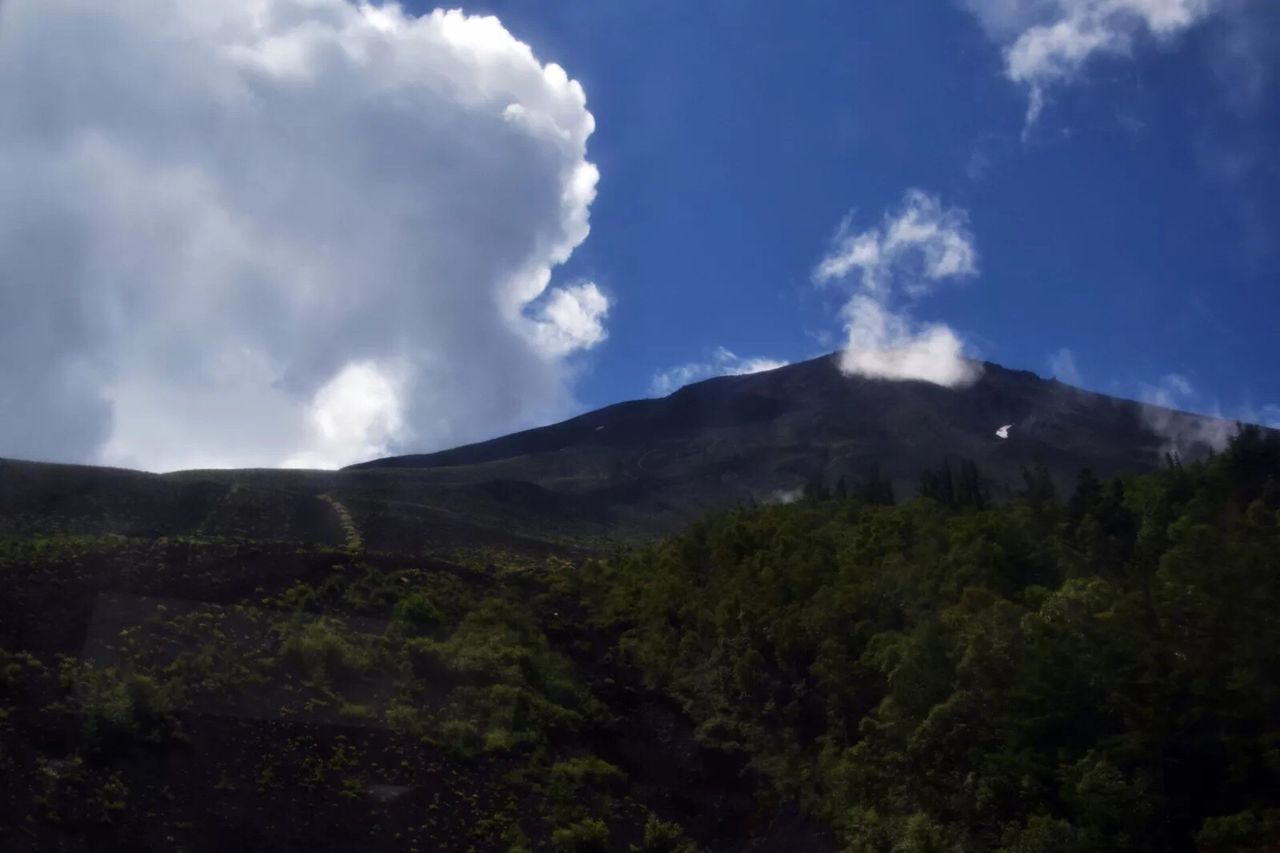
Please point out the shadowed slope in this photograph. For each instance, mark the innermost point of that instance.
(740, 438)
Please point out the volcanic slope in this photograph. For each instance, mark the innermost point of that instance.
(655, 464)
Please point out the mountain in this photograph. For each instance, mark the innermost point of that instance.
(644, 467)
(654, 464)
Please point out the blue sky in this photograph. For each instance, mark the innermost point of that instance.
(310, 232)
(1135, 225)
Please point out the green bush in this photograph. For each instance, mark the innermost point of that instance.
(1033, 675)
(127, 703)
(405, 719)
(462, 736)
(429, 661)
(662, 836)
(585, 770)
(1254, 831)
(585, 835)
(420, 610)
(322, 652)
(357, 712)
(579, 789)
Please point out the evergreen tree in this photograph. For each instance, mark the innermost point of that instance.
(954, 674)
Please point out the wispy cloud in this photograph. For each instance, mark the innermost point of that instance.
(1213, 426)
(1062, 366)
(1048, 43)
(1171, 391)
(722, 362)
(1176, 391)
(916, 246)
(785, 496)
(1245, 53)
(1171, 394)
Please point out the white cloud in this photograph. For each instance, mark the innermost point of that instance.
(884, 345)
(1183, 434)
(721, 363)
(357, 412)
(1173, 394)
(572, 318)
(916, 246)
(1062, 366)
(920, 244)
(244, 232)
(1171, 391)
(1049, 42)
(785, 496)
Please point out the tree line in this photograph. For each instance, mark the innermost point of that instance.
(1094, 671)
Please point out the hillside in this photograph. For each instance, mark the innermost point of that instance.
(654, 464)
(1088, 674)
(489, 649)
(275, 660)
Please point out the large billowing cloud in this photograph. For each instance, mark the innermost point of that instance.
(890, 266)
(250, 232)
(1049, 42)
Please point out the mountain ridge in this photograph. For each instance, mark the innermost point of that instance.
(645, 467)
(734, 439)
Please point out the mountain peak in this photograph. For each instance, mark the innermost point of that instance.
(734, 439)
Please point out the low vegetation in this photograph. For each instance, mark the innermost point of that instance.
(1095, 673)
(1086, 671)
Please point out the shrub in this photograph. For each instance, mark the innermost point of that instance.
(320, 653)
(584, 770)
(405, 719)
(460, 735)
(1244, 832)
(357, 712)
(132, 703)
(418, 609)
(662, 836)
(589, 834)
(429, 661)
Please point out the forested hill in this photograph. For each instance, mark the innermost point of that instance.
(1091, 671)
(387, 660)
